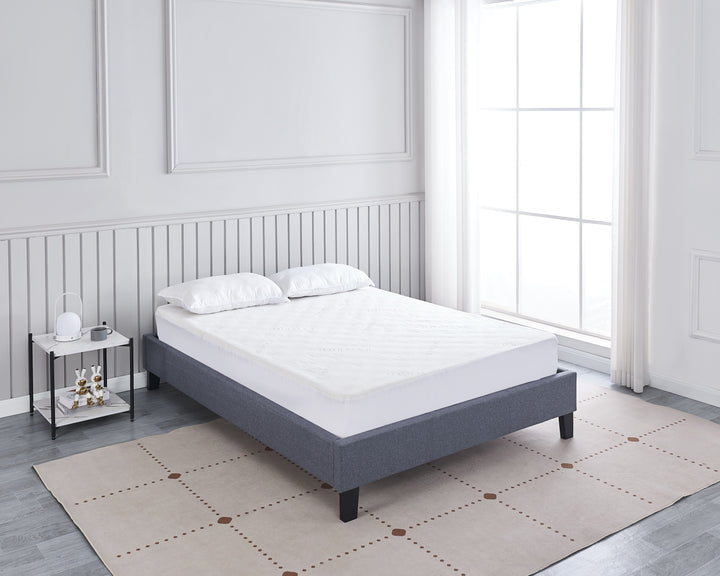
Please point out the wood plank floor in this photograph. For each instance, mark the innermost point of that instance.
(38, 538)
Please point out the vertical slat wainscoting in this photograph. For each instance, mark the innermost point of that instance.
(119, 269)
(37, 310)
(5, 327)
(18, 292)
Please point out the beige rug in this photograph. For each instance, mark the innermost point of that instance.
(208, 499)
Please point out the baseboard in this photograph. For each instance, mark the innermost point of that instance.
(585, 359)
(699, 393)
(22, 404)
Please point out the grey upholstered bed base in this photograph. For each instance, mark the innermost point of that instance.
(346, 463)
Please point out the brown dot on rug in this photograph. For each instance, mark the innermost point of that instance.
(289, 574)
(633, 439)
(398, 532)
(174, 476)
(567, 465)
(224, 520)
(489, 496)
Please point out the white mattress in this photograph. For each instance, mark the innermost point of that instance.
(354, 361)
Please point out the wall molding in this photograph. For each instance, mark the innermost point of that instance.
(701, 150)
(179, 165)
(698, 257)
(102, 167)
(209, 216)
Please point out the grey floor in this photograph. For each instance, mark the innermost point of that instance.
(38, 538)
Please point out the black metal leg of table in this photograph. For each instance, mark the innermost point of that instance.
(132, 382)
(52, 395)
(30, 372)
(104, 367)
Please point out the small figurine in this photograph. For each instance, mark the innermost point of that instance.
(97, 387)
(81, 391)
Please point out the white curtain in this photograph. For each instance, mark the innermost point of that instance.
(450, 227)
(633, 181)
(443, 152)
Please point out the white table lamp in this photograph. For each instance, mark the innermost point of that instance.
(68, 325)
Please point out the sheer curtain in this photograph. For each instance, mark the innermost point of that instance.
(633, 179)
(450, 234)
(443, 152)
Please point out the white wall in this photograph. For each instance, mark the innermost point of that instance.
(685, 313)
(317, 91)
(149, 141)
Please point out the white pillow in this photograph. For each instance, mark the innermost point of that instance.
(218, 293)
(320, 279)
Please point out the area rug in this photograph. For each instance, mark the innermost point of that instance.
(209, 499)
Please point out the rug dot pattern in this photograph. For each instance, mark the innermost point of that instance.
(210, 498)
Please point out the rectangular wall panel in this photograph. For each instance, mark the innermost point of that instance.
(118, 271)
(61, 131)
(707, 80)
(217, 86)
(705, 287)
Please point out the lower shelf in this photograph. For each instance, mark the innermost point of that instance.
(113, 405)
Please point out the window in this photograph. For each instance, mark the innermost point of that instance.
(541, 86)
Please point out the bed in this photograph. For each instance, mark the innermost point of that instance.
(362, 384)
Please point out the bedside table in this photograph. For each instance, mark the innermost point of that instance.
(54, 350)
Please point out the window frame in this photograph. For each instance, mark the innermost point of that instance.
(592, 342)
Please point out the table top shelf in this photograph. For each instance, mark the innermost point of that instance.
(84, 344)
(114, 405)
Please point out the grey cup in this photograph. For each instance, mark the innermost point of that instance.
(99, 333)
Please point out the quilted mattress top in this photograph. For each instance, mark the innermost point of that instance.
(358, 342)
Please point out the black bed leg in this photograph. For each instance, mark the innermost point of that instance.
(153, 382)
(349, 504)
(566, 426)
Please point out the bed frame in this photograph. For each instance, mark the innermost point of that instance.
(347, 463)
